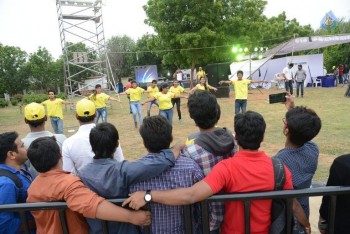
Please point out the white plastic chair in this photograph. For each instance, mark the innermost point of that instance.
(316, 82)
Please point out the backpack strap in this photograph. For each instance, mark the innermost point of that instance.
(16, 181)
(279, 173)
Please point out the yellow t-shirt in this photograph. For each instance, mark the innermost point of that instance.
(200, 87)
(177, 90)
(99, 100)
(135, 94)
(241, 88)
(200, 74)
(54, 108)
(152, 91)
(164, 100)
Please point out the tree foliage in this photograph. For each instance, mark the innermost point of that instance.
(121, 55)
(338, 54)
(13, 78)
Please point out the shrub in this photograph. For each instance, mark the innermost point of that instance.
(14, 102)
(18, 97)
(3, 103)
(62, 96)
(38, 98)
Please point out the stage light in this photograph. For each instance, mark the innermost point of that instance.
(260, 56)
(245, 49)
(256, 49)
(240, 50)
(234, 49)
(239, 57)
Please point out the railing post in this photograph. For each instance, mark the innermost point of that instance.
(247, 216)
(62, 214)
(289, 216)
(205, 217)
(24, 220)
(333, 203)
(187, 219)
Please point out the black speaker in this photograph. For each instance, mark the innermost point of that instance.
(215, 73)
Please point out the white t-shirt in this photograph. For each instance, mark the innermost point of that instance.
(288, 73)
(77, 152)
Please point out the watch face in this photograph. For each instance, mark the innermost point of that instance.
(148, 197)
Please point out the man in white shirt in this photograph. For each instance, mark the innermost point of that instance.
(288, 76)
(76, 150)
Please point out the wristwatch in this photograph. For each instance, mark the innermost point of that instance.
(148, 196)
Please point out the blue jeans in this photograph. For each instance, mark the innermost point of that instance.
(240, 104)
(168, 114)
(154, 102)
(136, 110)
(301, 85)
(101, 112)
(289, 86)
(57, 125)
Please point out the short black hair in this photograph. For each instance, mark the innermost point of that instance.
(35, 123)
(154, 81)
(303, 124)
(44, 153)
(163, 86)
(130, 79)
(250, 129)
(156, 132)
(290, 64)
(204, 109)
(98, 86)
(239, 72)
(300, 65)
(133, 81)
(7, 143)
(86, 119)
(51, 91)
(104, 140)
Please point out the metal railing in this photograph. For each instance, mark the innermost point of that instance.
(333, 192)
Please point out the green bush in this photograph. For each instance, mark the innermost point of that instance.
(3, 103)
(18, 97)
(14, 102)
(32, 97)
(62, 96)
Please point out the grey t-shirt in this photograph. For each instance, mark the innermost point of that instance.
(27, 140)
(300, 75)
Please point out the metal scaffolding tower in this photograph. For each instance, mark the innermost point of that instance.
(80, 21)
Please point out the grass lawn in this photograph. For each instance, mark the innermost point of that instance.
(329, 103)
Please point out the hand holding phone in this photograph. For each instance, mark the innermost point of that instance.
(277, 98)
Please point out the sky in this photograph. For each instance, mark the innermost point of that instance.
(29, 24)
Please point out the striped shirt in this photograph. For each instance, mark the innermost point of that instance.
(169, 219)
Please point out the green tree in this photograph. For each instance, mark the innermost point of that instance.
(184, 26)
(13, 79)
(40, 69)
(121, 55)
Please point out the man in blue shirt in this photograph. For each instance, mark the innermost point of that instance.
(300, 154)
(13, 154)
(110, 178)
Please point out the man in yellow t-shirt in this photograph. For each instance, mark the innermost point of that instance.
(241, 91)
(153, 89)
(99, 99)
(54, 111)
(177, 89)
(200, 74)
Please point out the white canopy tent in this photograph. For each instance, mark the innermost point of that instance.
(265, 69)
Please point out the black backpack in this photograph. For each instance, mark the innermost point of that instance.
(16, 181)
(279, 206)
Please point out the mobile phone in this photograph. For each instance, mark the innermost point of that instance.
(277, 98)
